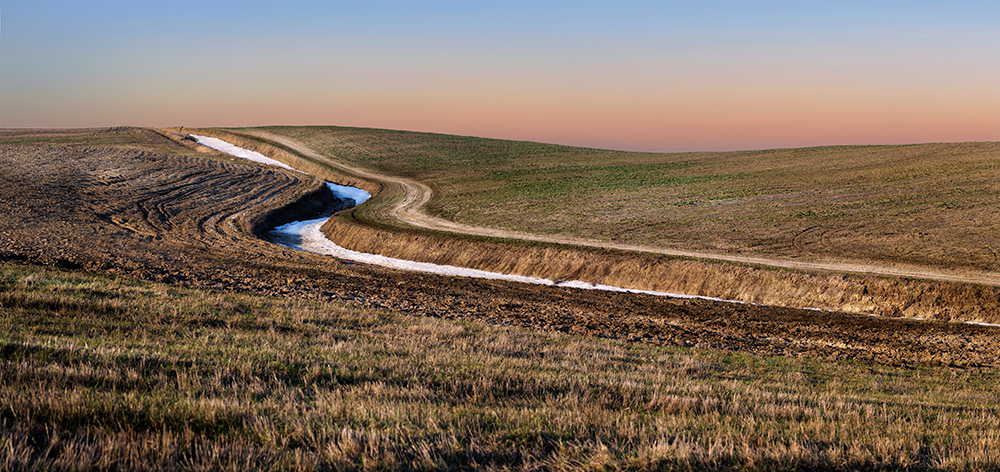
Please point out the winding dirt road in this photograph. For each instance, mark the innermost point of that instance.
(147, 207)
(409, 210)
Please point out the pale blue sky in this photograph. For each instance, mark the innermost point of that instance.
(636, 75)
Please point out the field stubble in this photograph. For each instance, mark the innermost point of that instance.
(109, 372)
(300, 361)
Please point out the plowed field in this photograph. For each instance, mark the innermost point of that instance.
(130, 201)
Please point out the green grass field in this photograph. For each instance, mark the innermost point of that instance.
(114, 373)
(925, 204)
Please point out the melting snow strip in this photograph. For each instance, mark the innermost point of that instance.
(306, 236)
(349, 193)
(980, 323)
(233, 150)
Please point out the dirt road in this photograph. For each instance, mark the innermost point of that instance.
(409, 210)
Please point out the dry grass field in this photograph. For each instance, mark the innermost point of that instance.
(116, 374)
(925, 204)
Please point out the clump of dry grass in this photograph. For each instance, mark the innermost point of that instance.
(99, 372)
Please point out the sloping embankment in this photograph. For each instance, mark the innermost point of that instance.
(366, 229)
(303, 164)
(881, 295)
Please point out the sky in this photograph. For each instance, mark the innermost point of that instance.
(636, 75)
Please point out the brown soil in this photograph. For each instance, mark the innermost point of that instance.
(132, 202)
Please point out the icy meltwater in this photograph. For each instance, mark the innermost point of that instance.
(346, 192)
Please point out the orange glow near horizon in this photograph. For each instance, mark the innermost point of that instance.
(636, 76)
(708, 120)
(717, 122)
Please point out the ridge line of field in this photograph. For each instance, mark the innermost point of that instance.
(409, 211)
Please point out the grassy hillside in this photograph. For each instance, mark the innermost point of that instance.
(120, 374)
(927, 204)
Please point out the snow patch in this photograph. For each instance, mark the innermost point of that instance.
(306, 236)
(980, 323)
(346, 192)
(233, 150)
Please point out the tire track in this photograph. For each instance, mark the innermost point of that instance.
(155, 202)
